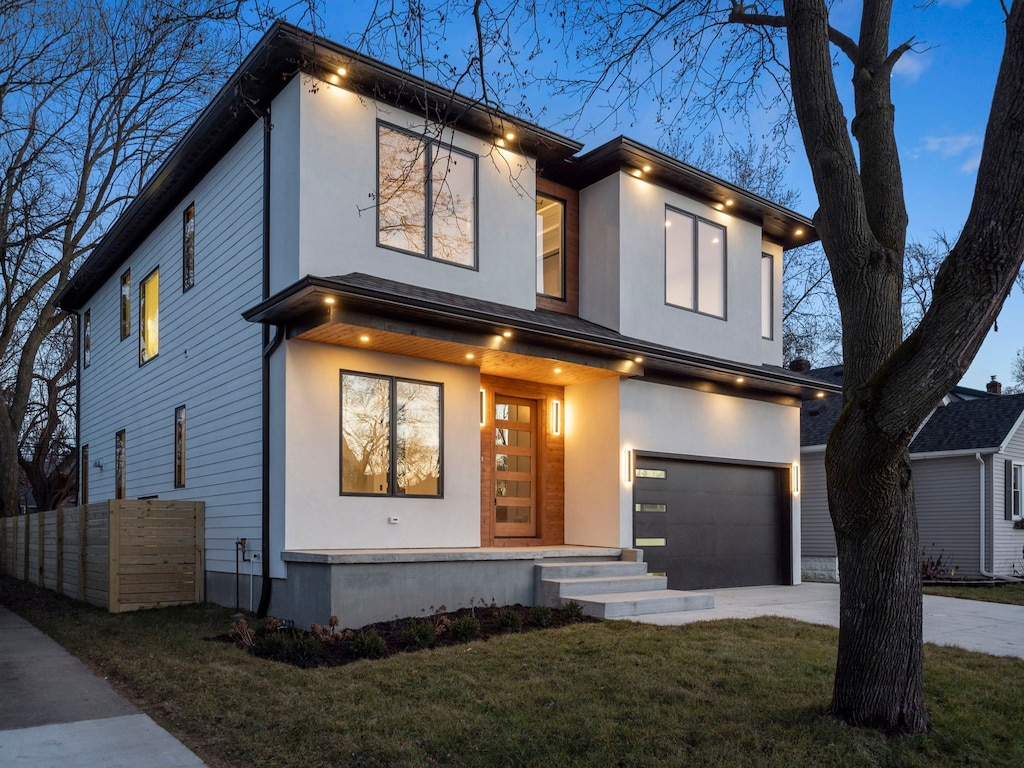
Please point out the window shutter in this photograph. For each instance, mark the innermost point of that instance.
(1008, 491)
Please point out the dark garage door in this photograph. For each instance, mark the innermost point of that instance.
(708, 525)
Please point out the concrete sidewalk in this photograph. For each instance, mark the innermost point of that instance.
(971, 624)
(55, 712)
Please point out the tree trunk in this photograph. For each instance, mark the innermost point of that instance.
(878, 681)
(8, 466)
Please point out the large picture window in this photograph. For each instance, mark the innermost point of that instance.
(550, 247)
(427, 214)
(694, 263)
(390, 436)
(149, 317)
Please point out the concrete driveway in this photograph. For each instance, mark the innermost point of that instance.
(977, 626)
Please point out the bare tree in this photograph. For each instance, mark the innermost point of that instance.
(688, 65)
(92, 96)
(1017, 374)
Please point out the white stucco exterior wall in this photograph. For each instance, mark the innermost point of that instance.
(317, 516)
(335, 223)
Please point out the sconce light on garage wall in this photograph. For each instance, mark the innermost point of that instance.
(795, 479)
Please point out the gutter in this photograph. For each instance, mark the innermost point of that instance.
(983, 515)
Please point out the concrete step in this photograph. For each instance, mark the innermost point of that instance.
(552, 589)
(617, 605)
(590, 570)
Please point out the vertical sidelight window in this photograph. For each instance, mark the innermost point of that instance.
(179, 447)
(120, 468)
(695, 261)
(188, 248)
(83, 491)
(767, 296)
(425, 213)
(149, 317)
(87, 338)
(390, 436)
(550, 247)
(126, 304)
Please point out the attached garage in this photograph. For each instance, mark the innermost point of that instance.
(707, 524)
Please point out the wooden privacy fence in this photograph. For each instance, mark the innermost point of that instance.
(121, 554)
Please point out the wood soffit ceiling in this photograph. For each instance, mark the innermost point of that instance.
(491, 361)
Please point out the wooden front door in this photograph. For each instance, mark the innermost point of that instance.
(515, 466)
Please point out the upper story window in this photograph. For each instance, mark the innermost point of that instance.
(120, 461)
(126, 304)
(767, 295)
(694, 263)
(87, 338)
(390, 436)
(188, 248)
(149, 317)
(550, 247)
(179, 447)
(426, 198)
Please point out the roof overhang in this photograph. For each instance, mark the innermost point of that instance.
(437, 326)
(780, 225)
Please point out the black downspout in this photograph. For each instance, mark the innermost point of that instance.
(268, 349)
(78, 405)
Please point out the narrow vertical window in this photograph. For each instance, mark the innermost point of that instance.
(83, 474)
(120, 460)
(188, 248)
(126, 304)
(767, 296)
(1018, 491)
(179, 447)
(550, 247)
(401, 184)
(87, 338)
(695, 264)
(149, 317)
(453, 206)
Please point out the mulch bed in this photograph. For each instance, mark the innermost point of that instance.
(332, 646)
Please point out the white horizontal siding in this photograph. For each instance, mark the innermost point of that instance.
(817, 537)
(209, 361)
(948, 514)
(1007, 541)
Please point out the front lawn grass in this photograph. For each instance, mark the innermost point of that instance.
(1012, 594)
(727, 693)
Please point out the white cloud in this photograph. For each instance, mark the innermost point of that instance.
(971, 165)
(951, 146)
(911, 65)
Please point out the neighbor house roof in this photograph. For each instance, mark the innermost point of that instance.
(982, 422)
(286, 50)
(301, 307)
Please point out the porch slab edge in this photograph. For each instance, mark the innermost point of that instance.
(364, 556)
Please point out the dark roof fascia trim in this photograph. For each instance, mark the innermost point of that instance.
(266, 311)
(953, 453)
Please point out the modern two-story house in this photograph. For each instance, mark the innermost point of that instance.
(407, 348)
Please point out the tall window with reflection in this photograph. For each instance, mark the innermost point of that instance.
(390, 436)
(694, 263)
(149, 317)
(550, 247)
(429, 213)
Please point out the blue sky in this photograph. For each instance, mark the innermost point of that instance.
(942, 93)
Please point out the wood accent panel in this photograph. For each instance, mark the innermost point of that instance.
(550, 465)
(491, 362)
(571, 304)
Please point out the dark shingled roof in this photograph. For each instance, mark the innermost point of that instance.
(963, 425)
(970, 424)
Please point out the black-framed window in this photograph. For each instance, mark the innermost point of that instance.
(83, 491)
(1017, 492)
(767, 296)
(391, 436)
(550, 246)
(426, 197)
(87, 338)
(188, 248)
(149, 317)
(179, 447)
(126, 304)
(120, 464)
(695, 263)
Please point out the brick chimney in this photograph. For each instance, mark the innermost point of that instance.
(994, 387)
(801, 364)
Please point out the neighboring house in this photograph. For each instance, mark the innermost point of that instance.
(967, 465)
(405, 347)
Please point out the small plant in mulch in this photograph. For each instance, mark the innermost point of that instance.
(329, 645)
